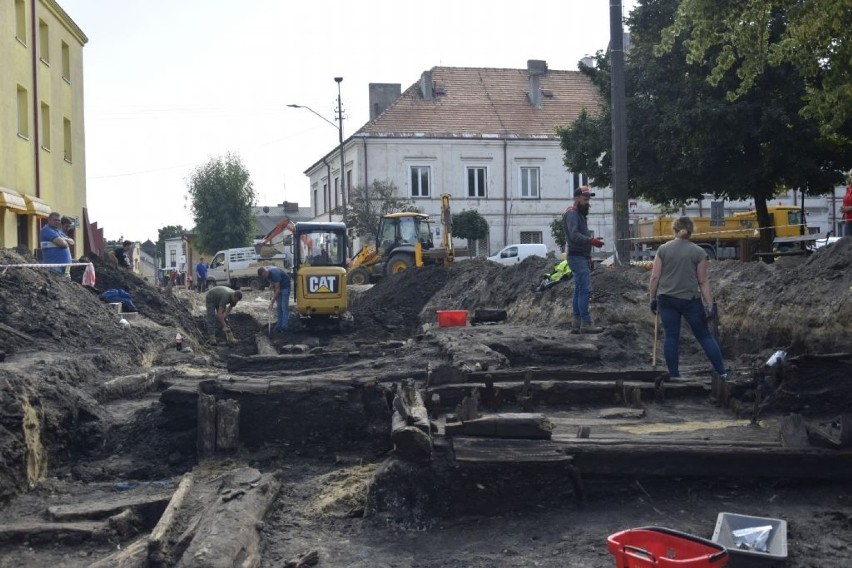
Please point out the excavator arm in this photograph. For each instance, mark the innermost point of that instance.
(447, 229)
(284, 224)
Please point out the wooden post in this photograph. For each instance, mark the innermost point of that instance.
(206, 444)
(227, 424)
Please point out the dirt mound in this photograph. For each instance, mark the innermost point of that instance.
(61, 342)
(393, 305)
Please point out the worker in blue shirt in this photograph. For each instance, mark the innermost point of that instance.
(280, 281)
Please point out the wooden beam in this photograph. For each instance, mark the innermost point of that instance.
(509, 425)
(103, 508)
(158, 542)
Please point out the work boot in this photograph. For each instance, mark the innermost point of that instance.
(232, 339)
(575, 325)
(211, 340)
(587, 327)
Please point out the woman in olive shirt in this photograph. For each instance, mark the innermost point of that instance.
(678, 284)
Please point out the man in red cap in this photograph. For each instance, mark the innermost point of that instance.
(579, 243)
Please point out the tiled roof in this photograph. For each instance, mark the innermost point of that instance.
(485, 103)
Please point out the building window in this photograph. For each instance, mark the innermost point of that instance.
(173, 258)
(531, 238)
(66, 62)
(45, 126)
(529, 182)
(348, 185)
(325, 198)
(420, 181)
(476, 182)
(316, 203)
(23, 113)
(580, 180)
(43, 42)
(336, 191)
(66, 141)
(21, 21)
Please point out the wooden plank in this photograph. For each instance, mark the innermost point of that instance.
(491, 450)
(68, 531)
(158, 542)
(134, 555)
(508, 425)
(708, 461)
(206, 429)
(227, 534)
(103, 508)
(509, 375)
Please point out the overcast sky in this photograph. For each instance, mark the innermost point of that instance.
(171, 84)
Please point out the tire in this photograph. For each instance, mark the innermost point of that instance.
(211, 283)
(359, 275)
(399, 262)
(255, 284)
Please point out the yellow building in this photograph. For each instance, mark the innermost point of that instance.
(42, 142)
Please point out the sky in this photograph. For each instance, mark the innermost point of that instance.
(169, 85)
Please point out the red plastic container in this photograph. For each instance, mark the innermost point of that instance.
(452, 318)
(650, 547)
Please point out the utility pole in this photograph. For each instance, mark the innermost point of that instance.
(619, 136)
(338, 80)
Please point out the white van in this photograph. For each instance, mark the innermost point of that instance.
(513, 254)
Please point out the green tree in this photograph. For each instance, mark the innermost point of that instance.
(221, 197)
(557, 231)
(747, 38)
(167, 232)
(470, 225)
(686, 138)
(367, 204)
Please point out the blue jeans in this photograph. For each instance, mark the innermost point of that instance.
(847, 229)
(671, 310)
(582, 286)
(283, 308)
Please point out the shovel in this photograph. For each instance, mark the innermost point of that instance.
(654, 351)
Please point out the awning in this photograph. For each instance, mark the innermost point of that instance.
(36, 206)
(11, 199)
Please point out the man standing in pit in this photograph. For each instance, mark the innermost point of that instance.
(579, 243)
(280, 281)
(220, 300)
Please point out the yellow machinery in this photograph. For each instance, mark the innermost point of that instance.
(404, 240)
(319, 274)
(740, 231)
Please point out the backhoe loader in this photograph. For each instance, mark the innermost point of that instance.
(404, 240)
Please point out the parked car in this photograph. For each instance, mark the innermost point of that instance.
(513, 254)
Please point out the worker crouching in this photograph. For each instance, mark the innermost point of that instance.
(219, 301)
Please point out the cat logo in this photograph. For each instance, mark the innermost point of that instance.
(322, 284)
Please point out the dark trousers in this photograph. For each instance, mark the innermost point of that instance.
(671, 311)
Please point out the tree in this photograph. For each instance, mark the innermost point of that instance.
(686, 138)
(749, 37)
(221, 196)
(167, 232)
(367, 204)
(470, 225)
(557, 231)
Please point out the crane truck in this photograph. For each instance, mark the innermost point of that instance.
(737, 238)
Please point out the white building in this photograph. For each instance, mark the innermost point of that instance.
(485, 136)
(488, 138)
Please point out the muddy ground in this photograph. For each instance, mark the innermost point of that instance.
(65, 437)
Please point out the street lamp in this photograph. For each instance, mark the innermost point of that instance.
(339, 127)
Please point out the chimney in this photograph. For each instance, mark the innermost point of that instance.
(536, 68)
(382, 95)
(426, 85)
